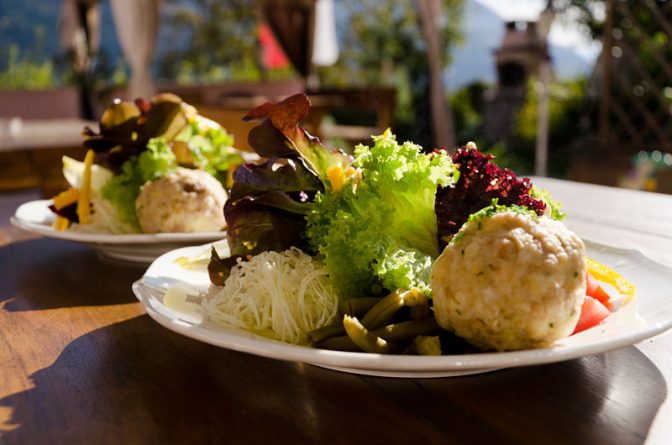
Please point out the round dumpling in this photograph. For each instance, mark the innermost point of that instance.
(182, 201)
(510, 281)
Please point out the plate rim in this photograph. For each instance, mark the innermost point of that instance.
(386, 365)
(103, 238)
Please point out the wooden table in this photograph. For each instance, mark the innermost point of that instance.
(80, 362)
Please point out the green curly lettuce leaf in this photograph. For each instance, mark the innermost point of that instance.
(553, 207)
(380, 231)
(123, 188)
(210, 147)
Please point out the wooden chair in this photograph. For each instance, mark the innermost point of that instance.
(351, 116)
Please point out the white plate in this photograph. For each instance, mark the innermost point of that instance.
(35, 216)
(650, 313)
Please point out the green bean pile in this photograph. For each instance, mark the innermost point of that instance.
(399, 323)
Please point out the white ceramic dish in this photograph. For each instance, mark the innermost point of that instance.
(35, 216)
(649, 314)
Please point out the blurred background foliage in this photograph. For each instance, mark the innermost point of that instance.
(212, 41)
(390, 51)
(381, 44)
(29, 73)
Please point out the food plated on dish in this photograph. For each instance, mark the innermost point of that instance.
(393, 250)
(154, 178)
(35, 216)
(153, 167)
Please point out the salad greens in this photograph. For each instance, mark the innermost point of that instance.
(269, 200)
(378, 221)
(142, 141)
(553, 207)
(123, 188)
(380, 231)
(206, 145)
(126, 127)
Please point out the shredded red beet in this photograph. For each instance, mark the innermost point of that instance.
(480, 182)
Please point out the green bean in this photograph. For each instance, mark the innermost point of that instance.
(357, 306)
(420, 312)
(383, 312)
(366, 340)
(341, 343)
(406, 330)
(331, 330)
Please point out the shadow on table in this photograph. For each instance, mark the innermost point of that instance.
(136, 382)
(46, 274)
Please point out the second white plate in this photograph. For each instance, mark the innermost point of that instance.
(35, 216)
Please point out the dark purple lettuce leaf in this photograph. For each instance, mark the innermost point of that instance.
(267, 204)
(479, 183)
(126, 127)
(219, 268)
(285, 201)
(277, 174)
(268, 200)
(69, 212)
(269, 142)
(283, 120)
(254, 226)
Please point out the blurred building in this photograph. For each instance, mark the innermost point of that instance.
(518, 57)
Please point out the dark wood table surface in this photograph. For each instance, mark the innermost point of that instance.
(81, 363)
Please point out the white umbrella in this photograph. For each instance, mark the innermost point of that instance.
(137, 24)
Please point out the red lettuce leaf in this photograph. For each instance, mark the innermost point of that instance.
(254, 227)
(269, 200)
(281, 133)
(279, 174)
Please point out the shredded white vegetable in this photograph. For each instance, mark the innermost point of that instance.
(281, 295)
(104, 218)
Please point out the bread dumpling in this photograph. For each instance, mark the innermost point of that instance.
(510, 281)
(182, 201)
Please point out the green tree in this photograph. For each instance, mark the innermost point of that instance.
(569, 120)
(219, 42)
(382, 44)
(26, 74)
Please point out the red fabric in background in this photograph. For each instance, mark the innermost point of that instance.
(272, 55)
